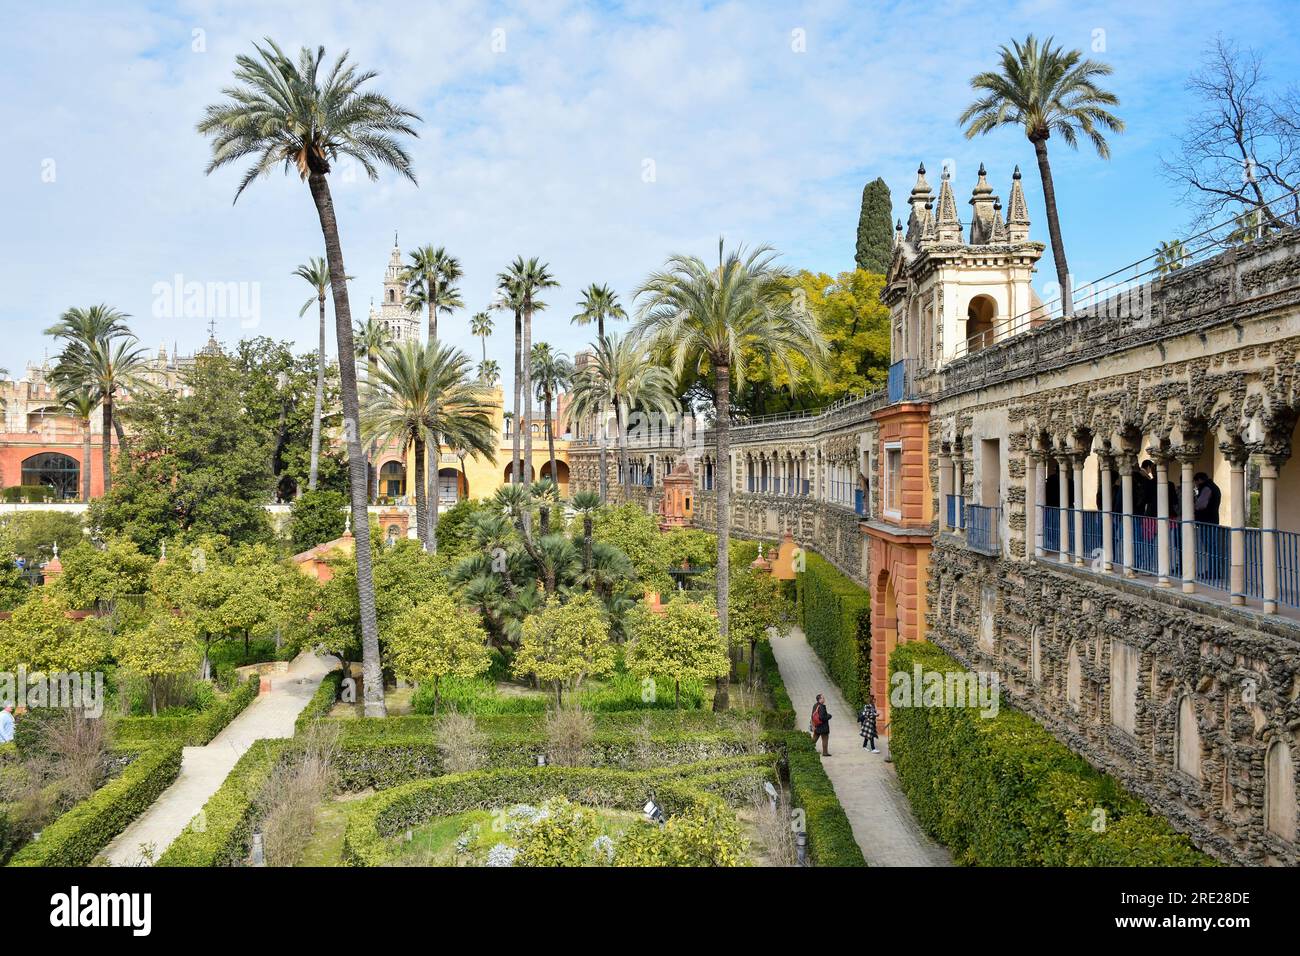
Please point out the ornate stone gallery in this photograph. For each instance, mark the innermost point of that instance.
(1099, 508)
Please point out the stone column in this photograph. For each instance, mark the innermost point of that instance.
(1127, 462)
(1077, 461)
(1268, 530)
(1237, 533)
(1064, 472)
(1187, 457)
(1033, 524)
(1107, 518)
(945, 489)
(1162, 518)
(1040, 494)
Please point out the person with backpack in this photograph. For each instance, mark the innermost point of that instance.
(867, 722)
(820, 725)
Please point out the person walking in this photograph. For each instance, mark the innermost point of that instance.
(867, 722)
(7, 724)
(820, 725)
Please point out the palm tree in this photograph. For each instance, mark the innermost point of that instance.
(621, 376)
(510, 297)
(102, 357)
(721, 320)
(480, 326)
(528, 278)
(431, 284)
(599, 302)
(305, 118)
(586, 503)
(422, 392)
(82, 402)
(489, 371)
(552, 372)
(317, 274)
(1044, 89)
(1169, 256)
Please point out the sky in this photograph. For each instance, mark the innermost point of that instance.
(600, 138)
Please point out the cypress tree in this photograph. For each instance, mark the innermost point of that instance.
(875, 228)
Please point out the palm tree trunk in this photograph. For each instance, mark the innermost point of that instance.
(1054, 228)
(106, 441)
(515, 477)
(320, 401)
(586, 540)
(85, 461)
(604, 459)
(550, 441)
(357, 480)
(421, 498)
(434, 450)
(527, 363)
(722, 405)
(625, 471)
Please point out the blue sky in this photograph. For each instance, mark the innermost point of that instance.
(541, 120)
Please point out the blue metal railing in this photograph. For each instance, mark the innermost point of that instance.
(983, 529)
(1051, 528)
(859, 504)
(1144, 544)
(1091, 535)
(956, 512)
(1288, 568)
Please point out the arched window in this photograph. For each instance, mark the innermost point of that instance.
(980, 317)
(54, 471)
(1187, 735)
(1279, 790)
(392, 479)
(1073, 678)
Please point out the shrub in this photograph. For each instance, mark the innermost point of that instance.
(569, 731)
(461, 745)
(836, 617)
(315, 518)
(705, 834)
(322, 702)
(1002, 791)
(76, 837)
(287, 804)
(194, 730)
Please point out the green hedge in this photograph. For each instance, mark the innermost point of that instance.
(1002, 791)
(836, 617)
(78, 835)
(222, 837)
(373, 821)
(16, 493)
(830, 836)
(194, 730)
(322, 702)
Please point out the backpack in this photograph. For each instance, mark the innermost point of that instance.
(816, 717)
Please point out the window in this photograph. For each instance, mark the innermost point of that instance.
(54, 471)
(894, 479)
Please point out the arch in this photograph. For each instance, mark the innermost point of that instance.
(392, 295)
(53, 470)
(561, 473)
(453, 486)
(1279, 790)
(392, 478)
(1073, 678)
(530, 475)
(1187, 738)
(36, 417)
(981, 315)
(393, 534)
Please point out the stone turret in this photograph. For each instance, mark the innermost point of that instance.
(1017, 211)
(947, 227)
(983, 208)
(919, 201)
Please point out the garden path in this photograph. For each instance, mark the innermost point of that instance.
(867, 786)
(204, 769)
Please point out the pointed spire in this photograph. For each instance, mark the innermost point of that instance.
(982, 202)
(947, 226)
(999, 231)
(898, 233)
(918, 201)
(1017, 211)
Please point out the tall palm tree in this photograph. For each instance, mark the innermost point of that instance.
(1045, 89)
(1170, 256)
(722, 320)
(480, 325)
(552, 372)
(431, 284)
(622, 377)
(369, 339)
(422, 392)
(82, 402)
(599, 302)
(304, 117)
(489, 371)
(101, 356)
(510, 297)
(528, 278)
(317, 274)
